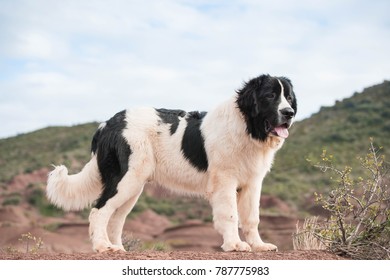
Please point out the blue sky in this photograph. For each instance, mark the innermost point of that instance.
(70, 62)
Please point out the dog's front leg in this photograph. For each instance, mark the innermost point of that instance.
(223, 199)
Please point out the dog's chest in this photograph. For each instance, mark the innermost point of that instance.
(252, 163)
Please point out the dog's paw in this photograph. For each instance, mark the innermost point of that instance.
(100, 248)
(237, 246)
(264, 247)
(116, 248)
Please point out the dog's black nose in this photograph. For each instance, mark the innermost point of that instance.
(288, 113)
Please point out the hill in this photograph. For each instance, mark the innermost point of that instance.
(53, 145)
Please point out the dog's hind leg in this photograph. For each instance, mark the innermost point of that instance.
(99, 238)
(119, 200)
(118, 206)
(117, 221)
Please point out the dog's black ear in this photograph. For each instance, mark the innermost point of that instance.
(247, 100)
(249, 105)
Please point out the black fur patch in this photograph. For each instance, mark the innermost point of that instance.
(192, 144)
(113, 154)
(171, 117)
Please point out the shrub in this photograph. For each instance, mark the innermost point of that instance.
(32, 243)
(131, 243)
(38, 199)
(12, 199)
(359, 223)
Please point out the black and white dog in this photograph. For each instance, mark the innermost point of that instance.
(222, 155)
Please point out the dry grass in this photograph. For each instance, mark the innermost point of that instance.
(305, 237)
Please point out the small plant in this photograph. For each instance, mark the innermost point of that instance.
(160, 247)
(11, 201)
(32, 243)
(359, 223)
(130, 243)
(9, 250)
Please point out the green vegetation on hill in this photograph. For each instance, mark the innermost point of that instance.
(343, 130)
(53, 145)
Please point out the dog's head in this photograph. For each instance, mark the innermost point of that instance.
(268, 105)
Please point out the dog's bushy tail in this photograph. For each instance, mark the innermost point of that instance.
(74, 192)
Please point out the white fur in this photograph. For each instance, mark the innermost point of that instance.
(74, 192)
(235, 162)
(283, 103)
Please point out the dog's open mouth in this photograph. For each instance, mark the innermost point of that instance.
(280, 131)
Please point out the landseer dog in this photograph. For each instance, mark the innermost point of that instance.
(222, 155)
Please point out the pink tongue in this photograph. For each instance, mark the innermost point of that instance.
(281, 131)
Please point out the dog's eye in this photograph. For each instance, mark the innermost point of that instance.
(270, 95)
(289, 98)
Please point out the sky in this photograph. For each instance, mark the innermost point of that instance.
(76, 61)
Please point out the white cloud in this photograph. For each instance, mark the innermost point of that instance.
(33, 45)
(67, 62)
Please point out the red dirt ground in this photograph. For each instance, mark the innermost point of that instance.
(176, 255)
